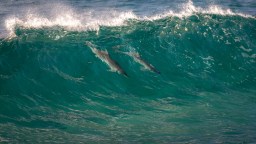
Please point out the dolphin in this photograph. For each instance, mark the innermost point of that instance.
(142, 62)
(104, 56)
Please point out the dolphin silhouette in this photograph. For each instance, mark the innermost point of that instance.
(104, 56)
(142, 62)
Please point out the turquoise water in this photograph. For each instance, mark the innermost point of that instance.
(54, 89)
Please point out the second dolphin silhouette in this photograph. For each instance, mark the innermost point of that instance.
(142, 62)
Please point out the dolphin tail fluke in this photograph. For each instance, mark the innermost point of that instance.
(125, 74)
(156, 71)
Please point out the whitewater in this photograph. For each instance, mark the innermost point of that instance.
(127, 72)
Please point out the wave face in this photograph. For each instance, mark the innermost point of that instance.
(54, 89)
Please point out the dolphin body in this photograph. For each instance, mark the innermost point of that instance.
(104, 56)
(142, 62)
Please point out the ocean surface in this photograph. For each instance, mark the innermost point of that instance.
(128, 71)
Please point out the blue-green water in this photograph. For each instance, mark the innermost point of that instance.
(54, 89)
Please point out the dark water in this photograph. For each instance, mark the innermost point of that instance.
(55, 89)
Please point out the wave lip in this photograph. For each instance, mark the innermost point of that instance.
(88, 20)
(189, 9)
(69, 21)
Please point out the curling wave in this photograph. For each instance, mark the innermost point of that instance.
(191, 77)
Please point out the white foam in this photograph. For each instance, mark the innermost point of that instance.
(69, 21)
(189, 9)
(90, 20)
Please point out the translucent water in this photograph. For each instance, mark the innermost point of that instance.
(55, 89)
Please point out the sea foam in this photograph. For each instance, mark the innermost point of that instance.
(90, 20)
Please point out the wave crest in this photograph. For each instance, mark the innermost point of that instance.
(89, 20)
